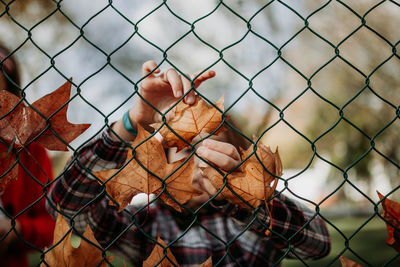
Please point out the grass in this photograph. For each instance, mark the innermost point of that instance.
(366, 246)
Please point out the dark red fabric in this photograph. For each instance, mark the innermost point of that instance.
(25, 193)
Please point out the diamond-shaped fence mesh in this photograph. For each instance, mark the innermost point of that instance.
(318, 79)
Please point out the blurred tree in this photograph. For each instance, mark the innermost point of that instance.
(356, 120)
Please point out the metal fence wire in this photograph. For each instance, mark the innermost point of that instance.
(355, 108)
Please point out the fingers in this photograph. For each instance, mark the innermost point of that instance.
(148, 67)
(207, 186)
(222, 155)
(173, 78)
(203, 77)
(222, 147)
(179, 84)
(187, 85)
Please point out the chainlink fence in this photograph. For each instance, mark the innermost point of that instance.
(319, 79)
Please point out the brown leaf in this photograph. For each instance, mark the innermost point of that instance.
(207, 263)
(48, 105)
(17, 122)
(20, 124)
(391, 213)
(190, 120)
(64, 254)
(137, 178)
(158, 253)
(253, 184)
(348, 263)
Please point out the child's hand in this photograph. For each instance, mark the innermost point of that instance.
(159, 92)
(222, 155)
(162, 91)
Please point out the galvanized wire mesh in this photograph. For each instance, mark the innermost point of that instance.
(340, 116)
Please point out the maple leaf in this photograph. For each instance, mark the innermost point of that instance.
(134, 178)
(348, 263)
(190, 120)
(17, 122)
(20, 124)
(57, 103)
(253, 184)
(207, 263)
(391, 213)
(64, 254)
(157, 257)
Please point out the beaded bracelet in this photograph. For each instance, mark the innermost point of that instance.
(127, 124)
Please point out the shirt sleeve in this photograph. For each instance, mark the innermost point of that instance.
(294, 229)
(82, 199)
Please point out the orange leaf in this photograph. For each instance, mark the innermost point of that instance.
(63, 254)
(190, 120)
(207, 263)
(348, 263)
(253, 184)
(160, 258)
(391, 213)
(137, 178)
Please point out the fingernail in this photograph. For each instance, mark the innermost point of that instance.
(201, 151)
(179, 93)
(206, 142)
(202, 164)
(190, 99)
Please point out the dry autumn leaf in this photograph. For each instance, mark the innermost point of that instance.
(136, 178)
(157, 257)
(49, 106)
(20, 124)
(254, 184)
(191, 120)
(391, 213)
(348, 263)
(207, 263)
(65, 255)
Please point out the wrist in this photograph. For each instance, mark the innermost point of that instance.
(128, 125)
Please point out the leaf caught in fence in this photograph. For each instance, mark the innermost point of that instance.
(141, 172)
(64, 254)
(391, 213)
(207, 263)
(20, 124)
(167, 259)
(55, 106)
(190, 120)
(253, 184)
(348, 263)
(157, 257)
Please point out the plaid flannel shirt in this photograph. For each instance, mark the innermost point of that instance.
(233, 236)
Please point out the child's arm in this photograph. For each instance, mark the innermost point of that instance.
(77, 194)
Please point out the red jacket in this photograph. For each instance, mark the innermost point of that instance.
(37, 225)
